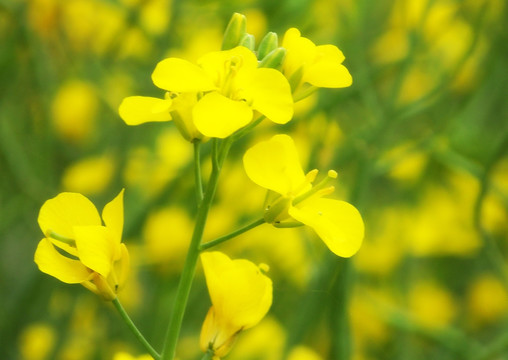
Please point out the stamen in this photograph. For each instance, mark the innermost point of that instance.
(319, 189)
(309, 179)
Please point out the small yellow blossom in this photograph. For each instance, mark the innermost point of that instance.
(319, 66)
(241, 296)
(274, 165)
(96, 257)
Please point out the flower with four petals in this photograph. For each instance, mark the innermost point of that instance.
(78, 248)
(274, 165)
(224, 91)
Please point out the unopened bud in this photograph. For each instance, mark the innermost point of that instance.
(274, 59)
(235, 31)
(269, 43)
(248, 41)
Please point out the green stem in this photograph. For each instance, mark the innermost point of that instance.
(197, 172)
(231, 235)
(189, 268)
(240, 133)
(208, 355)
(135, 330)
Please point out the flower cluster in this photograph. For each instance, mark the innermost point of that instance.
(225, 93)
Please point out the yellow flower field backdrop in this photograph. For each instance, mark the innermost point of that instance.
(405, 245)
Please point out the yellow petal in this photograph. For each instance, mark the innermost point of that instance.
(271, 95)
(135, 110)
(328, 74)
(241, 294)
(95, 248)
(329, 53)
(274, 165)
(122, 267)
(179, 75)
(113, 217)
(61, 213)
(300, 51)
(337, 223)
(51, 262)
(218, 116)
(216, 63)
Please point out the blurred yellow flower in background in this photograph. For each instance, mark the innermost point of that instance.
(95, 258)
(37, 341)
(89, 176)
(74, 110)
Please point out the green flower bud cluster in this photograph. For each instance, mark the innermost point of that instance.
(269, 53)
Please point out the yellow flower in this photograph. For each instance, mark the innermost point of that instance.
(223, 93)
(274, 165)
(241, 296)
(96, 257)
(319, 66)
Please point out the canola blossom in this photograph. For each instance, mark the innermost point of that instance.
(241, 296)
(320, 66)
(223, 92)
(78, 248)
(274, 165)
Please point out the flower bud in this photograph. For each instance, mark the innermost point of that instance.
(267, 45)
(248, 41)
(235, 31)
(274, 59)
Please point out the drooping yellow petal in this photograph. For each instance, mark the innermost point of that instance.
(178, 75)
(61, 213)
(337, 223)
(218, 116)
(95, 248)
(51, 262)
(274, 165)
(241, 294)
(271, 95)
(135, 110)
(112, 214)
(328, 74)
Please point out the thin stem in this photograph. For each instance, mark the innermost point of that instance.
(189, 268)
(197, 172)
(240, 133)
(135, 330)
(208, 355)
(231, 235)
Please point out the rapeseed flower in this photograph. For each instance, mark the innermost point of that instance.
(319, 66)
(221, 94)
(274, 165)
(89, 253)
(241, 296)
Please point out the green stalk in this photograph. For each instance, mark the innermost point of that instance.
(231, 235)
(189, 268)
(208, 355)
(135, 330)
(197, 172)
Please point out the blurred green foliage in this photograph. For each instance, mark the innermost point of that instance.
(419, 140)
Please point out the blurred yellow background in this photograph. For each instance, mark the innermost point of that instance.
(420, 142)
